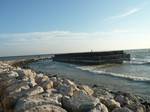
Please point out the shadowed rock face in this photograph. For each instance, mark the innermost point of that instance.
(23, 90)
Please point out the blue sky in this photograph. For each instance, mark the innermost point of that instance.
(53, 26)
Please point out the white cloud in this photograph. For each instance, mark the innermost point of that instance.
(125, 14)
(66, 41)
(121, 31)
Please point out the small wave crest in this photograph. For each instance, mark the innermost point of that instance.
(138, 61)
(123, 76)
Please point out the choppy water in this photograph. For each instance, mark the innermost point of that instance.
(133, 76)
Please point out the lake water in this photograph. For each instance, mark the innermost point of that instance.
(132, 76)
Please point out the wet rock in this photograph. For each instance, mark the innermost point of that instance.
(124, 109)
(87, 89)
(79, 102)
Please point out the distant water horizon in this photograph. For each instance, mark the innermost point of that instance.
(11, 57)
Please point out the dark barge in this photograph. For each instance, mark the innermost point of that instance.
(93, 58)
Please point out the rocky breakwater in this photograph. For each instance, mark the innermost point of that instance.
(23, 90)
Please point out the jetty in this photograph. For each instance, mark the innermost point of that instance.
(93, 58)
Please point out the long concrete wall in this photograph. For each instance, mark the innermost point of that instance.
(93, 58)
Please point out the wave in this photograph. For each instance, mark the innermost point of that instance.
(123, 76)
(138, 61)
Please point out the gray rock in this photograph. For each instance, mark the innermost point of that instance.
(31, 82)
(110, 103)
(12, 93)
(100, 108)
(41, 78)
(13, 74)
(87, 89)
(46, 108)
(79, 102)
(33, 101)
(70, 83)
(65, 89)
(124, 109)
(137, 107)
(34, 91)
(47, 85)
(103, 93)
(126, 99)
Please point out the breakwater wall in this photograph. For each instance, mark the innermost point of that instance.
(23, 63)
(93, 58)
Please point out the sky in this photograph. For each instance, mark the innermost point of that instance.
(58, 26)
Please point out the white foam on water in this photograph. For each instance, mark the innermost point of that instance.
(103, 72)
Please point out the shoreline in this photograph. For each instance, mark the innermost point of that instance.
(30, 87)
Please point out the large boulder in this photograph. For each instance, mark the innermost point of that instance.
(26, 103)
(46, 108)
(17, 87)
(4, 83)
(12, 93)
(79, 102)
(26, 73)
(137, 107)
(29, 73)
(124, 109)
(126, 99)
(66, 89)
